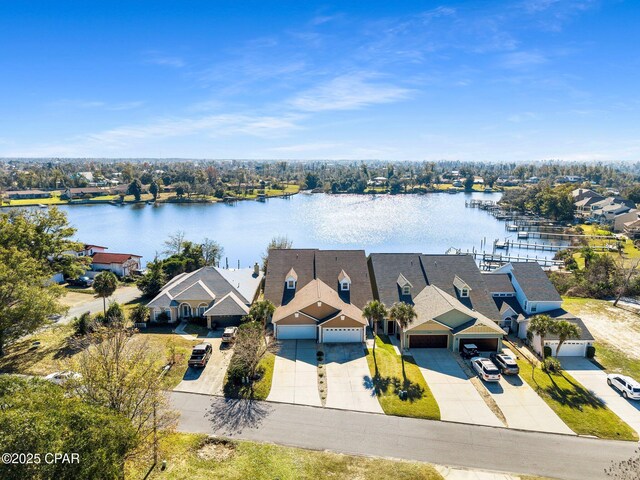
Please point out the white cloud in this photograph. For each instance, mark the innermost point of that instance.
(96, 104)
(522, 59)
(156, 58)
(305, 147)
(348, 92)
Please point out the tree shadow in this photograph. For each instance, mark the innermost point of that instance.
(578, 397)
(232, 415)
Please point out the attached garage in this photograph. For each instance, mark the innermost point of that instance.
(342, 335)
(569, 348)
(295, 332)
(483, 344)
(428, 341)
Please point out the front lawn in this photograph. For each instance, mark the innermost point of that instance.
(614, 360)
(583, 412)
(387, 378)
(198, 457)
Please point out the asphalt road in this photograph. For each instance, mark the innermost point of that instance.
(94, 305)
(444, 443)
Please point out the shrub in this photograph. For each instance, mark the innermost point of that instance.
(83, 324)
(100, 318)
(591, 351)
(547, 351)
(115, 313)
(551, 365)
(140, 314)
(163, 317)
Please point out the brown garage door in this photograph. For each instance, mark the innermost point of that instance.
(428, 341)
(483, 344)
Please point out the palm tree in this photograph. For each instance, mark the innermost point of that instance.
(403, 314)
(104, 285)
(374, 312)
(261, 311)
(565, 331)
(541, 325)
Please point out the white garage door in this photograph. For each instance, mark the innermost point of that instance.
(295, 332)
(569, 348)
(342, 335)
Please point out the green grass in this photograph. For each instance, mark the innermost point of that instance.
(55, 200)
(583, 412)
(195, 457)
(258, 390)
(614, 360)
(389, 378)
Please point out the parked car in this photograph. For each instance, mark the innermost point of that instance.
(60, 378)
(626, 385)
(81, 282)
(229, 334)
(505, 363)
(469, 350)
(486, 369)
(200, 355)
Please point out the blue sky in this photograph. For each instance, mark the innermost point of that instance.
(469, 80)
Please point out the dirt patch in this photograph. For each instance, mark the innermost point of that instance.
(608, 324)
(217, 449)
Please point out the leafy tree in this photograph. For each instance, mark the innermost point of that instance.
(135, 189)
(153, 280)
(140, 313)
(38, 416)
(251, 347)
(565, 331)
(261, 311)
(468, 183)
(154, 189)
(275, 243)
(402, 313)
(115, 314)
(105, 284)
(311, 181)
(212, 252)
(83, 324)
(374, 311)
(26, 300)
(541, 325)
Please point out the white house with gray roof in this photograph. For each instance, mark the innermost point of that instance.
(222, 296)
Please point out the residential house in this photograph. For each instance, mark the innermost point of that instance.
(632, 229)
(27, 194)
(532, 293)
(449, 295)
(619, 221)
(122, 264)
(222, 296)
(318, 294)
(606, 210)
(84, 192)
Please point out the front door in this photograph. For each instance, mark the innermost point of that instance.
(391, 327)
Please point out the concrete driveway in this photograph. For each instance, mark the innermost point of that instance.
(295, 374)
(522, 406)
(458, 399)
(210, 379)
(349, 378)
(595, 379)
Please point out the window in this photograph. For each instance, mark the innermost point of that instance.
(291, 284)
(406, 290)
(464, 292)
(534, 308)
(344, 286)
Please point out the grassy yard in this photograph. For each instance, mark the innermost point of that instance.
(389, 379)
(258, 390)
(197, 457)
(583, 412)
(614, 360)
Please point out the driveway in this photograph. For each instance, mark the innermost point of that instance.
(458, 399)
(210, 379)
(79, 303)
(595, 379)
(349, 378)
(523, 408)
(295, 373)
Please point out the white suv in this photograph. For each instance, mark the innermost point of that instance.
(486, 369)
(626, 385)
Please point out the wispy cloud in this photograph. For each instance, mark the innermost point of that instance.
(522, 59)
(98, 104)
(348, 92)
(156, 58)
(305, 147)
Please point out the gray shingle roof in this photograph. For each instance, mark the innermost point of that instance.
(498, 283)
(534, 282)
(325, 265)
(229, 305)
(385, 271)
(561, 314)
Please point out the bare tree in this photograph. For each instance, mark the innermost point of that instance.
(276, 242)
(628, 272)
(212, 252)
(251, 346)
(175, 242)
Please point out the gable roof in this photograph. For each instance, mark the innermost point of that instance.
(403, 282)
(441, 271)
(460, 284)
(314, 264)
(229, 305)
(386, 269)
(498, 283)
(210, 283)
(534, 283)
(342, 276)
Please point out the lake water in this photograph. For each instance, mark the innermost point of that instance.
(428, 223)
